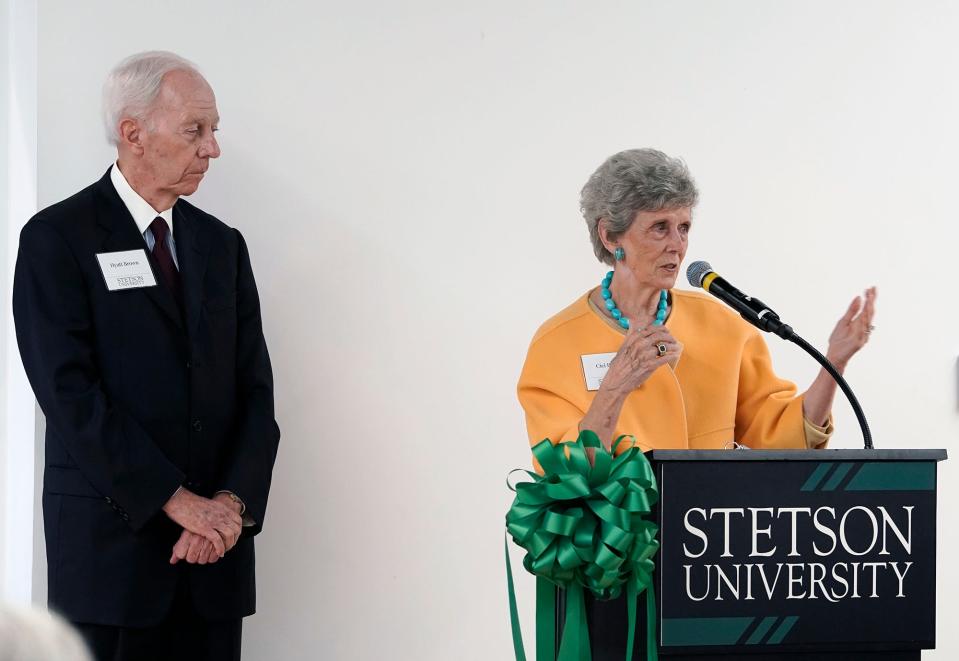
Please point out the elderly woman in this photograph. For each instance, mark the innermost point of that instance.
(674, 369)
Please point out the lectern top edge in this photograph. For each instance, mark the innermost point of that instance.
(797, 455)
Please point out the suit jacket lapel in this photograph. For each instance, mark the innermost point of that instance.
(121, 233)
(193, 253)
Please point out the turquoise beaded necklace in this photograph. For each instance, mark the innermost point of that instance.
(618, 315)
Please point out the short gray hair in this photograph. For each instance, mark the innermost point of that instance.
(629, 182)
(134, 84)
(33, 634)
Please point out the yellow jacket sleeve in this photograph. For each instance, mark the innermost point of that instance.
(548, 414)
(768, 412)
(817, 437)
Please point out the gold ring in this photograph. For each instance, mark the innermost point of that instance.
(661, 348)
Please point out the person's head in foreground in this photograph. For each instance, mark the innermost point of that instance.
(31, 634)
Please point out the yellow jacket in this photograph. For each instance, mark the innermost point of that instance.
(722, 389)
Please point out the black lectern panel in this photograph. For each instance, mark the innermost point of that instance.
(795, 555)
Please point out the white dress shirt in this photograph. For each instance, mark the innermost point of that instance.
(143, 214)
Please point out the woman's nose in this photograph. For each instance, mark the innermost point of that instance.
(676, 240)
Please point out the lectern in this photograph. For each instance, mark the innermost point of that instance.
(794, 555)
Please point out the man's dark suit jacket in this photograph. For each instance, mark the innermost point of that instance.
(140, 398)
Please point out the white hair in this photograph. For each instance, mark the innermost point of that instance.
(38, 635)
(134, 84)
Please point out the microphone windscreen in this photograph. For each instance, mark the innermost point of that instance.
(696, 272)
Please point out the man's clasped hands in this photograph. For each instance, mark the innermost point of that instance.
(211, 526)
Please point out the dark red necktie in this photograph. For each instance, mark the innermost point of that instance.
(161, 252)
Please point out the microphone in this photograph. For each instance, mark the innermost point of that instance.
(701, 274)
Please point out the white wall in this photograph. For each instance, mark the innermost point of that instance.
(4, 243)
(19, 529)
(407, 177)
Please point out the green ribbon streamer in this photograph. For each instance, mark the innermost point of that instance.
(584, 527)
(518, 648)
(545, 619)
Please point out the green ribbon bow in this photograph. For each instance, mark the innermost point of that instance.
(584, 527)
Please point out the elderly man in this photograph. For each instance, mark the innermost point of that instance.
(138, 322)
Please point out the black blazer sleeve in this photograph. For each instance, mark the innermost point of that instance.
(249, 469)
(55, 334)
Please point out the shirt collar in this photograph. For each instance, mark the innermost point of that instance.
(143, 214)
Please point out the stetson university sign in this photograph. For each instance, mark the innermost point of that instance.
(792, 551)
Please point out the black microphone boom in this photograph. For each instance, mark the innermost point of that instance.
(701, 274)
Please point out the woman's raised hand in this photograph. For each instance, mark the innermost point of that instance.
(852, 331)
(640, 356)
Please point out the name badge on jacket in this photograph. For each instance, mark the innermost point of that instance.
(126, 269)
(595, 366)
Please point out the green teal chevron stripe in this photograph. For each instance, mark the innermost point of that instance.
(817, 476)
(836, 477)
(895, 476)
(760, 632)
(694, 631)
(783, 629)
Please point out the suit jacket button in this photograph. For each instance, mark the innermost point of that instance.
(189, 364)
(197, 426)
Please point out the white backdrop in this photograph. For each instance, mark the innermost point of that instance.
(18, 201)
(407, 176)
(5, 87)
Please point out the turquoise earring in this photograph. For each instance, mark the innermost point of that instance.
(619, 254)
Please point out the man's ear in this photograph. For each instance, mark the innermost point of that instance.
(131, 134)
